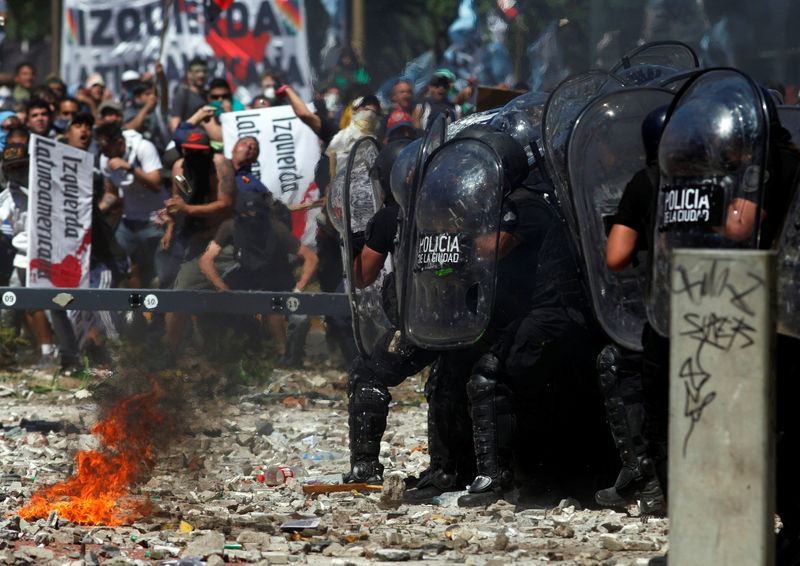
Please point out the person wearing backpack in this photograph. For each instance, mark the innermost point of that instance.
(260, 245)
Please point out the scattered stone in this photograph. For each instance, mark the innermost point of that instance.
(205, 488)
(612, 527)
(333, 549)
(33, 554)
(205, 545)
(392, 491)
(392, 555)
(611, 543)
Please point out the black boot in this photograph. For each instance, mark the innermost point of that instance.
(492, 430)
(450, 449)
(640, 485)
(368, 407)
(620, 383)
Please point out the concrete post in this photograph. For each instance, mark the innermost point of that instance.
(721, 416)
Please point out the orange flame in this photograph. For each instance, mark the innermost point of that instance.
(99, 493)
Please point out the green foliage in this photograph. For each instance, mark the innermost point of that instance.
(28, 20)
(10, 343)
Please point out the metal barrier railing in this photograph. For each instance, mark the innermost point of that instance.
(168, 300)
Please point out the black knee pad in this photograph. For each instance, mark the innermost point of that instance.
(365, 387)
(607, 368)
(483, 382)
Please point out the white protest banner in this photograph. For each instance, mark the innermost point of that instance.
(59, 214)
(249, 37)
(289, 151)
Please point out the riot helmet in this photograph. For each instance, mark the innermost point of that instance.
(511, 153)
(652, 126)
(522, 120)
(402, 173)
(381, 170)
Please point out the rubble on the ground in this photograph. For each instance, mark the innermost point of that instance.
(209, 506)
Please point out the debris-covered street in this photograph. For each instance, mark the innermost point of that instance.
(206, 504)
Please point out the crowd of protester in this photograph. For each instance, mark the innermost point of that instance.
(163, 211)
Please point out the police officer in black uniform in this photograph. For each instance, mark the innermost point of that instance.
(634, 384)
(392, 360)
(540, 302)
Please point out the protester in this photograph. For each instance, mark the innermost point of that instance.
(209, 181)
(143, 116)
(66, 110)
(434, 103)
(40, 118)
(109, 112)
(364, 122)
(24, 79)
(14, 212)
(56, 85)
(131, 167)
(262, 245)
(191, 96)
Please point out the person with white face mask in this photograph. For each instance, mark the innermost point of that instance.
(364, 122)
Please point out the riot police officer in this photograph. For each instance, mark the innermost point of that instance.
(393, 358)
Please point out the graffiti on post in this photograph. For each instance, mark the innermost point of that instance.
(713, 331)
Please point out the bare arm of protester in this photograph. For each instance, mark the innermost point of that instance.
(165, 220)
(203, 114)
(226, 192)
(213, 129)
(303, 112)
(741, 219)
(137, 121)
(310, 262)
(206, 264)
(109, 198)
(83, 97)
(203, 118)
(151, 179)
(366, 267)
(416, 117)
(621, 246)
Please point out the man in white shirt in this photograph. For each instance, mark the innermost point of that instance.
(132, 170)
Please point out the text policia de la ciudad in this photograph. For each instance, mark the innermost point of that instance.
(283, 141)
(688, 204)
(68, 177)
(438, 250)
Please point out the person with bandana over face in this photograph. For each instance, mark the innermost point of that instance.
(203, 195)
(364, 122)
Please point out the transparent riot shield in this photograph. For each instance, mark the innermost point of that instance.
(605, 152)
(477, 118)
(434, 138)
(670, 54)
(453, 245)
(560, 111)
(352, 201)
(646, 74)
(675, 82)
(712, 161)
